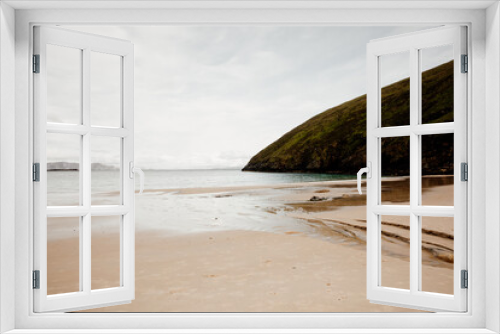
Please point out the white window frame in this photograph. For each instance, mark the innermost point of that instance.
(483, 125)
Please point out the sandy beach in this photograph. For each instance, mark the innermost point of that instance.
(320, 268)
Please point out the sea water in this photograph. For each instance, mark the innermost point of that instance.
(164, 179)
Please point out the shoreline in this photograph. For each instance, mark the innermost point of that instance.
(352, 183)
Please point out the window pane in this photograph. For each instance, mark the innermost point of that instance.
(63, 169)
(437, 254)
(105, 89)
(106, 185)
(437, 84)
(106, 252)
(395, 170)
(63, 255)
(395, 244)
(64, 84)
(437, 169)
(395, 91)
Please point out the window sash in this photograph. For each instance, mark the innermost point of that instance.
(86, 297)
(414, 298)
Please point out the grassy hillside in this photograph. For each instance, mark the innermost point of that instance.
(334, 141)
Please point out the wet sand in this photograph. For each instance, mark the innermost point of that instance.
(249, 271)
(346, 214)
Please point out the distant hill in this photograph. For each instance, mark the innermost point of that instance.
(334, 141)
(62, 166)
(58, 166)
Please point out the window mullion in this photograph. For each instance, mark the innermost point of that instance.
(86, 228)
(415, 253)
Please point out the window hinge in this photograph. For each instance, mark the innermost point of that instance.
(465, 63)
(36, 172)
(36, 279)
(464, 279)
(36, 63)
(464, 169)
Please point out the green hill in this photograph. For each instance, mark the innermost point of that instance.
(334, 141)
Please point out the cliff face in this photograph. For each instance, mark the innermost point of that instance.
(334, 141)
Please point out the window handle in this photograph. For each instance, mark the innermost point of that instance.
(133, 170)
(368, 171)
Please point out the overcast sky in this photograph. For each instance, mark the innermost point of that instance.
(213, 96)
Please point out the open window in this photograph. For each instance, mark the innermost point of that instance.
(92, 129)
(425, 136)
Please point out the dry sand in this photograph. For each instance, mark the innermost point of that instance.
(247, 271)
(244, 271)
